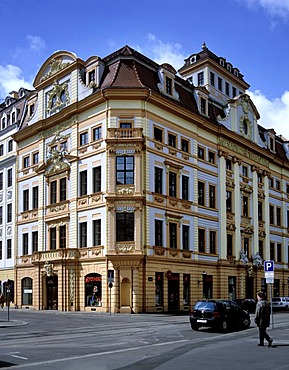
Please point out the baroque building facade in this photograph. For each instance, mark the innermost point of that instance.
(142, 189)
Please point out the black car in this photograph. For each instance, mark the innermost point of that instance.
(219, 314)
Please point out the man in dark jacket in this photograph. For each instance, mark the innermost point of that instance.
(262, 319)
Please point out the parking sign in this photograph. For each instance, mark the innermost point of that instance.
(269, 266)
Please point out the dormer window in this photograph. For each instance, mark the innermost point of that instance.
(201, 79)
(193, 59)
(31, 109)
(3, 124)
(229, 67)
(236, 72)
(169, 83)
(203, 106)
(222, 62)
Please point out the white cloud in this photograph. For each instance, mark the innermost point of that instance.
(276, 8)
(36, 43)
(162, 52)
(11, 79)
(274, 113)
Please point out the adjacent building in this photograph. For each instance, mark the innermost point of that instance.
(141, 189)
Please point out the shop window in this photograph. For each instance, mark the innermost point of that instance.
(186, 294)
(27, 289)
(159, 288)
(93, 290)
(232, 287)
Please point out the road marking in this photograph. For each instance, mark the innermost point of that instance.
(97, 354)
(23, 358)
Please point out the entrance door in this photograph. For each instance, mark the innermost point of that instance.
(52, 292)
(173, 292)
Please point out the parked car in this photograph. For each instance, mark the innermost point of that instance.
(219, 314)
(248, 304)
(280, 303)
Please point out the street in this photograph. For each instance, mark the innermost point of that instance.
(78, 340)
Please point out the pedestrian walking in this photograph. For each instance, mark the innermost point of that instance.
(2, 300)
(262, 319)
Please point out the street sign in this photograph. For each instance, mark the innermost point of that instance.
(270, 280)
(110, 276)
(269, 266)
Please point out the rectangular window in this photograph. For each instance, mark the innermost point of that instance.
(62, 236)
(34, 241)
(10, 145)
(158, 180)
(201, 152)
(212, 79)
(1, 215)
(186, 235)
(172, 184)
(124, 227)
(228, 164)
(1, 149)
(245, 171)
(213, 242)
(201, 193)
(271, 214)
(97, 133)
(169, 84)
(220, 84)
(83, 235)
(227, 88)
(96, 232)
(211, 157)
(26, 162)
(83, 183)
(271, 182)
(228, 201)
(1, 180)
(62, 190)
(35, 197)
(9, 212)
(272, 251)
(9, 248)
(260, 249)
(212, 196)
(200, 78)
(279, 252)
(260, 211)
(247, 246)
(173, 235)
(25, 200)
(52, 232)
(203, 106)
(1, 250)
(172, 139)
(201, 241)
(83, 138)
(260, 178)
(234, 91)
(53, 192)
(229, 245)
(185, 187)
(125, 170)
(35, 158)
(245, 206)
(158, 134)
(278, 216)
(185, 145)
(159, 233)
(9, 177)
(63, 146)
(25, 244)
(96, 179)
(278, 185)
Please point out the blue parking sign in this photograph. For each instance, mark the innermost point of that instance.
(269, 266)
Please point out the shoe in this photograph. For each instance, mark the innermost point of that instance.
(270, 341)
(261, 344)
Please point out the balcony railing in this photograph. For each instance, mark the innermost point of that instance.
(124, 133)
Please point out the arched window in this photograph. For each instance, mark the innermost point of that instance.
(27, 284)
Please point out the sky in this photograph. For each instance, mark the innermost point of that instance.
(251, 34)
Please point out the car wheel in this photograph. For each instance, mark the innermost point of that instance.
(224, 326)
(246, 323)
(194, 327)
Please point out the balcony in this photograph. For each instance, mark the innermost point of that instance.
(124, 134)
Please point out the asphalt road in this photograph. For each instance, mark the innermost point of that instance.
(59, 340)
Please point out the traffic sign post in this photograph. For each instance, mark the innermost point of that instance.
(110, 280)
(269, 275)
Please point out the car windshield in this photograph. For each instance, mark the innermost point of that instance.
(205, 306)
